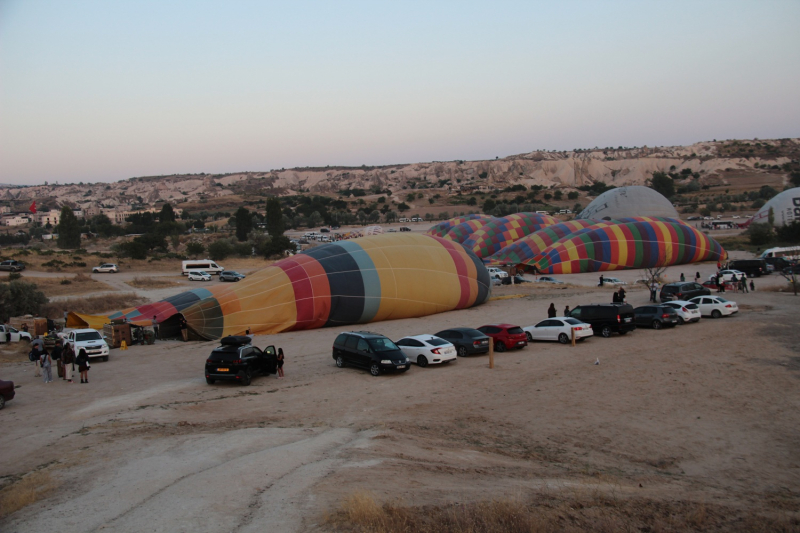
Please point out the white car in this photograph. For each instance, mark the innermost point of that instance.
(687, 311)
(715, 306)
(548, 279)
(727, 275)
(199, 275)
(558, 329)
(14, 334)
(427, 349)
(106, 268)
(88, 341)
(613, 281)
(499, 271)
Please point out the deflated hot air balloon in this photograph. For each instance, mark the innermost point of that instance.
(443, 228)
(621, 245)
(370, 279)
(500, 232)
(463, 231)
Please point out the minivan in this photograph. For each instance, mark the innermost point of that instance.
(201, 264)
(368, 350)
(751, 267)
(682, 291)
(606, 319)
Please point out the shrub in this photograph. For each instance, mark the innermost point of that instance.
(760, 234)
(219, 250)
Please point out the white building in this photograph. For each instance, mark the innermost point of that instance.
(51, 217)
(15, 219)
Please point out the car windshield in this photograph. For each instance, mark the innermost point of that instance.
(572, 321)
(516, 330)
(87, 336)
(437, 342)
(382, 345)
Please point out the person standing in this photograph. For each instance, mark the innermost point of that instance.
(601, 281)
(653, 291)
(551, 311)
(697, 277)
(184, 328)
(55, 355)
(280, 363)
(47, 373)
(683, 278)
(752, 285)
(621, 295)
(566, 311)
(37, 346)
(154, 323)
(743, 282)
(734, 282)
(68, 358)
(83, 366)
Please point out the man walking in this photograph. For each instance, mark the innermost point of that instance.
(155, 327)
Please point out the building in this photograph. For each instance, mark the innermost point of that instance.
(52, 217)
(15, 219)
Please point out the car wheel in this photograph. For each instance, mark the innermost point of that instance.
(422, 361)
(528, 336)
(375, 369)
(563, 338)
(247, 377)
(500, 346)
(605, 332)
(715, 313)
(656, 324)
(2, 402)
(680, 321)
(462, 351)
(210, 381)
(340, 362)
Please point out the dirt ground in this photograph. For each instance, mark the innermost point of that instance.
(706, 412)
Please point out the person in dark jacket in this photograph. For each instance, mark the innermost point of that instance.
(83, 366)
(68, 358)
(551, 311)
(566, 311)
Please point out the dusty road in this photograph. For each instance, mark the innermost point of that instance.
(704, 412)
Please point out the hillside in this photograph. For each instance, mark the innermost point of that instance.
(730, 164)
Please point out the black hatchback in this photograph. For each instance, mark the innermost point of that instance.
(468, 341)
(656, 316)
(238, 360)
(369, 350)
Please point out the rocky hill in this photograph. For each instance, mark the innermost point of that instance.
(715, 162)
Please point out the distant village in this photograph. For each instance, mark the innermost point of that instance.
(50, 218)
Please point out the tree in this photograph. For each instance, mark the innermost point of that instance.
(69, 231)
(572, 195)
(20, 298)
(795, 179)
(403, 207)
(663, 184)
(219, 250)
(489, 205)
(244, 224)
(558, 195)
(195, 249)
(374, 216)
(771, 217)
(760, 234)
(166, 214)
(133, 249)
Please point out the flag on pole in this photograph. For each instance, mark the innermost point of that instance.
(33, 207)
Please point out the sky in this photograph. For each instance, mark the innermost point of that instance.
(99, 91)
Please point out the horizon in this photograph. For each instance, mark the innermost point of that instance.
(101, 93)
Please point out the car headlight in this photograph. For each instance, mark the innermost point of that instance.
(386, 361)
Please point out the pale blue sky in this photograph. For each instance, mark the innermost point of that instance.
(105, 90)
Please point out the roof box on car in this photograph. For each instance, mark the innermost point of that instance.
(235, 340)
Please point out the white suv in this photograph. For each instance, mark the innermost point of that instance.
(105, 267)
(89, 341)
(498, 271)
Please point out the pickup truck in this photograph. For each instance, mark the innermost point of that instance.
(12, 266)
(16, 336)
(89, 341)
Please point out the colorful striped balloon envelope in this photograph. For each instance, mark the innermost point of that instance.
(461, 232)
(443, 228)
(500, 232)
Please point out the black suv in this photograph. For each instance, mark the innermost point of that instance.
(237, 360)
(683, 290)
(606, 318)
(368, 350)
(754, 268)
(467, 341)
(656, 316)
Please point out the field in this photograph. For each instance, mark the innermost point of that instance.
(694, 428)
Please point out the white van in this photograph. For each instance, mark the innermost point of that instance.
(201, 264)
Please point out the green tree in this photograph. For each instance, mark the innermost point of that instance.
(663, 184)
(771, 217)
(195, 249)
(167, 214)
(558, 195)
(133, 249)
(489, 205)
(760, 234)
(795, 179)
(403, 207)
(244, 224)
(20, 298)
(69, 231)
(572, 195)
(790, 233)
(275, 223)
(219, 250)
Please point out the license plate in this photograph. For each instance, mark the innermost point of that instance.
(401, 366)
(223, 370)
(627, 320)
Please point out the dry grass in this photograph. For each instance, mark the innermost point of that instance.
(573, 512)
(152, 283)
(15, 352)
(93, 305)
(25, 491)
(78, 284)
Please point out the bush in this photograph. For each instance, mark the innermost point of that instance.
(760, 234)
(790, 233)
(572, 195)
(219, 250)
(20, 298)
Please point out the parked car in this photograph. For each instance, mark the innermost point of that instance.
(558, 329)
(682, 290)
(199, 275)
(549, 279)
(688, 312)
(496, 280)
(6, 392)
(506, 336)
(727, 274)
(498, 272)
(89, 341)
(751, 267)
(712, 285)
(236, 359)
(655, 316)
(405, 228)
(105, 268)
(613, 281)
(427, 349)
(12, 266)
(230, 275)
(715, 306)
(467, 341)
(9, 334)
(369, 350)
(606, 319)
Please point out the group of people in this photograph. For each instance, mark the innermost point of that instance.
(64, 358)
(552, 313)
(736, 283)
